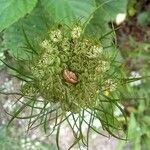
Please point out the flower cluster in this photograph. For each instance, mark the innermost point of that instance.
(71, 75)
(71, 70)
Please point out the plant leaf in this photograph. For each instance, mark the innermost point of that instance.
(110, 8)
(12, 10)
(69, 10)
(32, 26)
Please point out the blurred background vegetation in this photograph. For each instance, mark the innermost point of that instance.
(133, 40)
(134, 44)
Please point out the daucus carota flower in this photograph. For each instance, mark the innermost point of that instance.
(56, 35)
(109, 85)
(69, 72)
(45, 44)
(76, 32)
(73, 75)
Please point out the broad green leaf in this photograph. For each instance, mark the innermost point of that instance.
(12, 10)
(110, 8)
(106, 11)
(97, 25)
(34, 25)
(67, 11)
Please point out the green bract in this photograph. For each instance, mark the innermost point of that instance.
(69, 76)
(70, 69)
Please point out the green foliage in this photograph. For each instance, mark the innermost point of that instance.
(34, 25)
(110, 8)
(12, 10)
(143, 18)
(131, 7)
(138, 109)
(106, 11)
(67, 12)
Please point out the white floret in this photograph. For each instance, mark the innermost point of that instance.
(76, 32)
